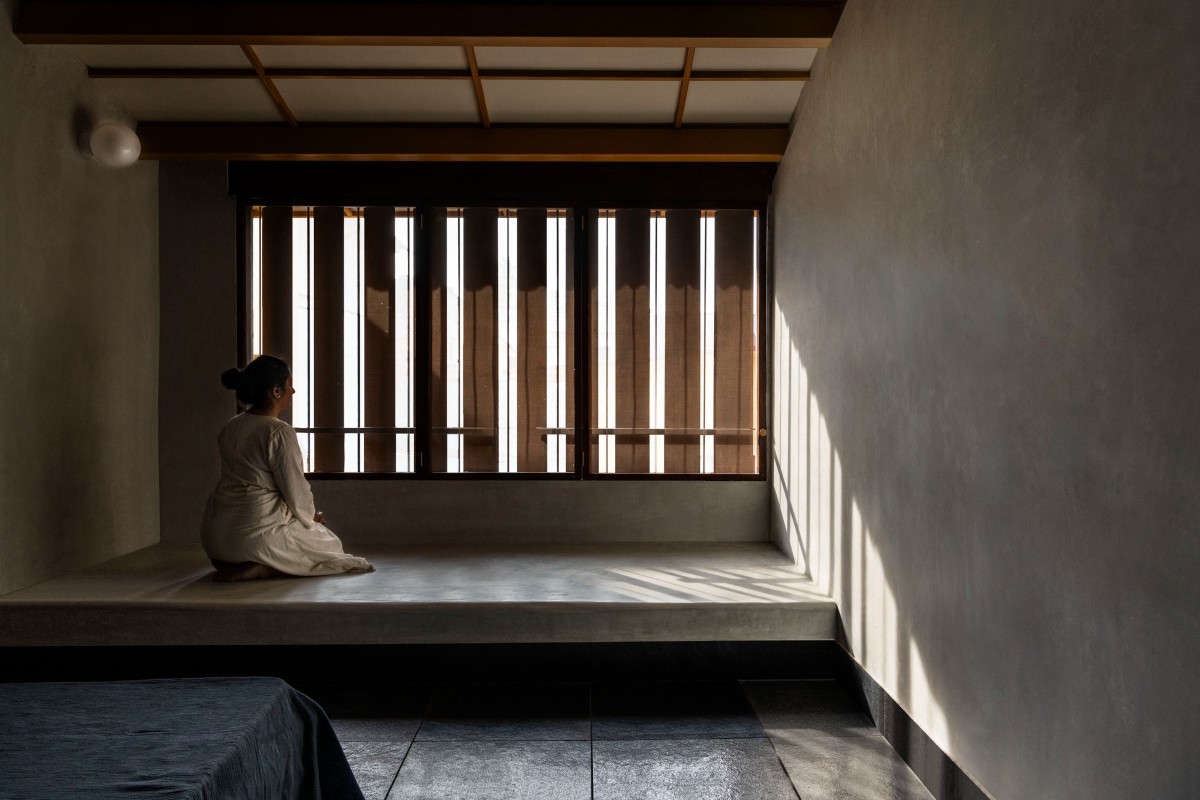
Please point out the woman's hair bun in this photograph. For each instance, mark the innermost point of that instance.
(255, 383)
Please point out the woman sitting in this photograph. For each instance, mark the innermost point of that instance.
(261, 520)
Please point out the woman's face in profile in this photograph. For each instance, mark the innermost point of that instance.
(288, 391)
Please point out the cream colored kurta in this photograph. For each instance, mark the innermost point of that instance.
(262, 509)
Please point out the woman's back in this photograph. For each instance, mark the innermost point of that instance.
(247, 443)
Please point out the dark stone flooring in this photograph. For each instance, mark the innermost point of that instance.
(690, 740)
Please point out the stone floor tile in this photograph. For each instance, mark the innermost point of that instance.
(375, 765)
(819, 706)
(689, 769)
(495, 771)
(508, 712)
(672, 710)
(848, 768)
(401, 729)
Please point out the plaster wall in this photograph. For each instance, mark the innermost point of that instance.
(559, 512)
(198, 296)
(199, 330)
(987, 405)
(78, 327)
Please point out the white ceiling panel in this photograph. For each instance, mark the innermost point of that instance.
(741, 101)
(380, 100)
(193, 100)
(656, 58)
(160, 56)
(754, 58)
(581, 101)
(365, 57)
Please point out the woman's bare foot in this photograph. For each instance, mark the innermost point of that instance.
(248, 571)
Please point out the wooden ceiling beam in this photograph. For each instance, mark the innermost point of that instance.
(268, 84)
(683, 86)
(357, 73)
(477, 82)
(431, 143)
(798, 23)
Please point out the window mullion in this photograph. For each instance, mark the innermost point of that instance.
(422, 340)
(583, 365)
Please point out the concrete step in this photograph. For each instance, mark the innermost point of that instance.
(679, 592)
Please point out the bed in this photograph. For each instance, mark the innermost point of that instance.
(226, 738)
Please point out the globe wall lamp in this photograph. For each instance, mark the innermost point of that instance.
(113, 144)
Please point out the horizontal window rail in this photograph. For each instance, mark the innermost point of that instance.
(672, 431)
(561, 431)
(335, 429)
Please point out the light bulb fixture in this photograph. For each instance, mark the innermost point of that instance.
(113, 144)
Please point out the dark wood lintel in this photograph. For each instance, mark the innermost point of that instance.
(400, 143)
(799, 23)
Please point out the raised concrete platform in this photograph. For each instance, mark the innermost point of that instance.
(164, 595)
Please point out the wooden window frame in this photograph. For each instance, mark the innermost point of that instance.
(245, 203)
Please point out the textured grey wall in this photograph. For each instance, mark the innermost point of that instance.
(987, 433)
(78, 327)
(199, 300)
(562, 512)
(198, 336)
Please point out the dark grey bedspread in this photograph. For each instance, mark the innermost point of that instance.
(226, 738)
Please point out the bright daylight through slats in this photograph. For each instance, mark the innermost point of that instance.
(394, 330)
(675, 341)
(672, 338)
(504, 366)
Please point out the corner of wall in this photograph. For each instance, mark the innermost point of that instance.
(79, 311)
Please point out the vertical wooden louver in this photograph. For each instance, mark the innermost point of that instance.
(379, 336)
(595, 388)
(632, 358)
(439, 363)
(531, 340)
(682, 367)
(567, 355)
(328, 337)
(734, 346)
(479, 341)
(275, 239)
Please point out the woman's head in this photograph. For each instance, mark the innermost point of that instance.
(256, 384)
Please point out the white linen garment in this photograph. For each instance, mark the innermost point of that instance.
(262, 509)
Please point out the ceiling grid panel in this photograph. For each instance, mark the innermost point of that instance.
(369, 101)
(661, 66)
